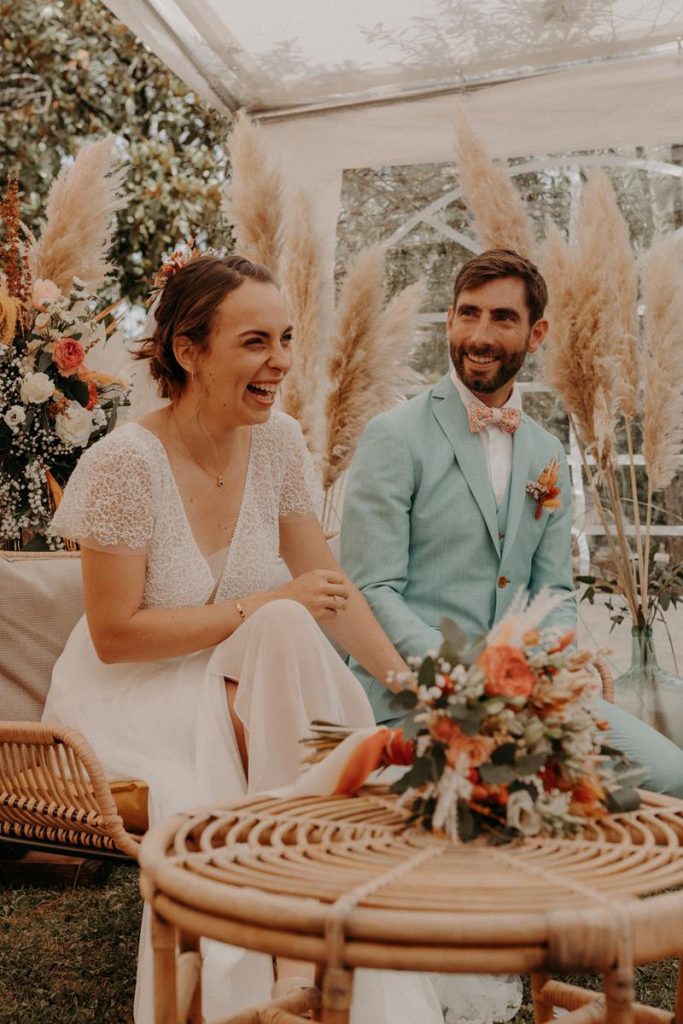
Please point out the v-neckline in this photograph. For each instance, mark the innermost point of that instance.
(238, 521)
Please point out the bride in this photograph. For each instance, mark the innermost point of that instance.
(192, 669)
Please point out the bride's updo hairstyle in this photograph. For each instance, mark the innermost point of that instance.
(187, 306)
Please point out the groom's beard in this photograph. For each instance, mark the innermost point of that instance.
(485, 381)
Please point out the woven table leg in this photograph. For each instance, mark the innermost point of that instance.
(336, 996)
(619, 996)
(164, 949)
(189, 980)
(543, 1010)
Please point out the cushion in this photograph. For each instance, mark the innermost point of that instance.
(130, 797)
(41, 597)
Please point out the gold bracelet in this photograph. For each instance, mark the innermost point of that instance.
(240, 609)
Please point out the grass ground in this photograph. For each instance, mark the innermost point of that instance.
(68, 957)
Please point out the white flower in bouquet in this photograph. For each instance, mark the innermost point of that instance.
(36, 387)
(14, 417)
(75, 425)
(99, 417)
(522, 814)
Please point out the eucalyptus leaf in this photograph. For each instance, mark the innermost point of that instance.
(450, 653)
(468, 825)
(405, 700)
(427, 675)
(496, 773)
(530, 764)
(452, 633)
(504, 754)
(621, 800)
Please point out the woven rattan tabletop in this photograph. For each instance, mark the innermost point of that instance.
(350, 872)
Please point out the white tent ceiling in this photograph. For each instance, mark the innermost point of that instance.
(272, 56)
(343, 84)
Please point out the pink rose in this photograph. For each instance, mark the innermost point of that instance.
(68, 354)
(507, 672)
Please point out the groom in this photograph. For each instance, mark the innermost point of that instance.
(456, 499)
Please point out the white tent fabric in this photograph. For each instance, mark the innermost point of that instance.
(268, 55)
(612, 104)
(374, 81)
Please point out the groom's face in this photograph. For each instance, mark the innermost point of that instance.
(489, 335)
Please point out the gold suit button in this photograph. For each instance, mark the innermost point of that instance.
(503, 581)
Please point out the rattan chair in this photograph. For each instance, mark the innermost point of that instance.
(54, 795)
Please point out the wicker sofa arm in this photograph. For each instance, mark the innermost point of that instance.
(53, 791)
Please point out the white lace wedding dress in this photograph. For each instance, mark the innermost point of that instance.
(167, 722)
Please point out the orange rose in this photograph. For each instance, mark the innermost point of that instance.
(477, 749)
(68, 354)
(507, 672)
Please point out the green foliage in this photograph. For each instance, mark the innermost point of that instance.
(665, 591)
(72, 72)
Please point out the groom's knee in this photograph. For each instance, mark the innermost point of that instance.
(661, 759)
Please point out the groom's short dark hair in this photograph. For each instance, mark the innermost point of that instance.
(495, 263)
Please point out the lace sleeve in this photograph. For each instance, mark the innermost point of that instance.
(108, 501)
(301, 494)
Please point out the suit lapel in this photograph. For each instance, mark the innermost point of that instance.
(519, 478)
(451, 416)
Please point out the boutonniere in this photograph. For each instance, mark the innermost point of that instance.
(545, 491)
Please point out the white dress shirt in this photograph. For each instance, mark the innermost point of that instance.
(496, 443)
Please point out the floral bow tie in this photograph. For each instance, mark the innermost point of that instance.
(481, 416)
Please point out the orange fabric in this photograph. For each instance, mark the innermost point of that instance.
(367, 757)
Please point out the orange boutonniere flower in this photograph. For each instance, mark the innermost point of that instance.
(545, 491)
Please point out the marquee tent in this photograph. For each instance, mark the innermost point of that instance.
(370, 82)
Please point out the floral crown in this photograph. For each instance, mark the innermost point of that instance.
(171, 263)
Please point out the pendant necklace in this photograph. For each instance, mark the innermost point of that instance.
(217, 476)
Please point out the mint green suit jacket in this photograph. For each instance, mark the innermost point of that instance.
(421, 530)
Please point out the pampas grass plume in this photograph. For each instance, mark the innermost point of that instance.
(301, 282)
(77, 231)
(253, 199)
(354, 360)
(501, 221)
(662, 281)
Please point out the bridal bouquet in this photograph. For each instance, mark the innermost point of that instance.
(500, 738)
(55, 399)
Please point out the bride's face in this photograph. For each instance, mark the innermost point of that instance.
(249, 354)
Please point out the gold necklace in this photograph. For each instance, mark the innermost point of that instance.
(218, 476)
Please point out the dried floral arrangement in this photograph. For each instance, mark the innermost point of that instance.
(351, 363)
(500, 738)
(608, 369)
(55, 398)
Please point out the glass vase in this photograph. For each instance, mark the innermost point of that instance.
(647, 691)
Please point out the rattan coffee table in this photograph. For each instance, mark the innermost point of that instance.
(344, 882)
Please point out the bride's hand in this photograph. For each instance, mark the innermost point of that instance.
(322, 591)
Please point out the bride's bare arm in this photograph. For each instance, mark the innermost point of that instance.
(121, 630)
(354, 627)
